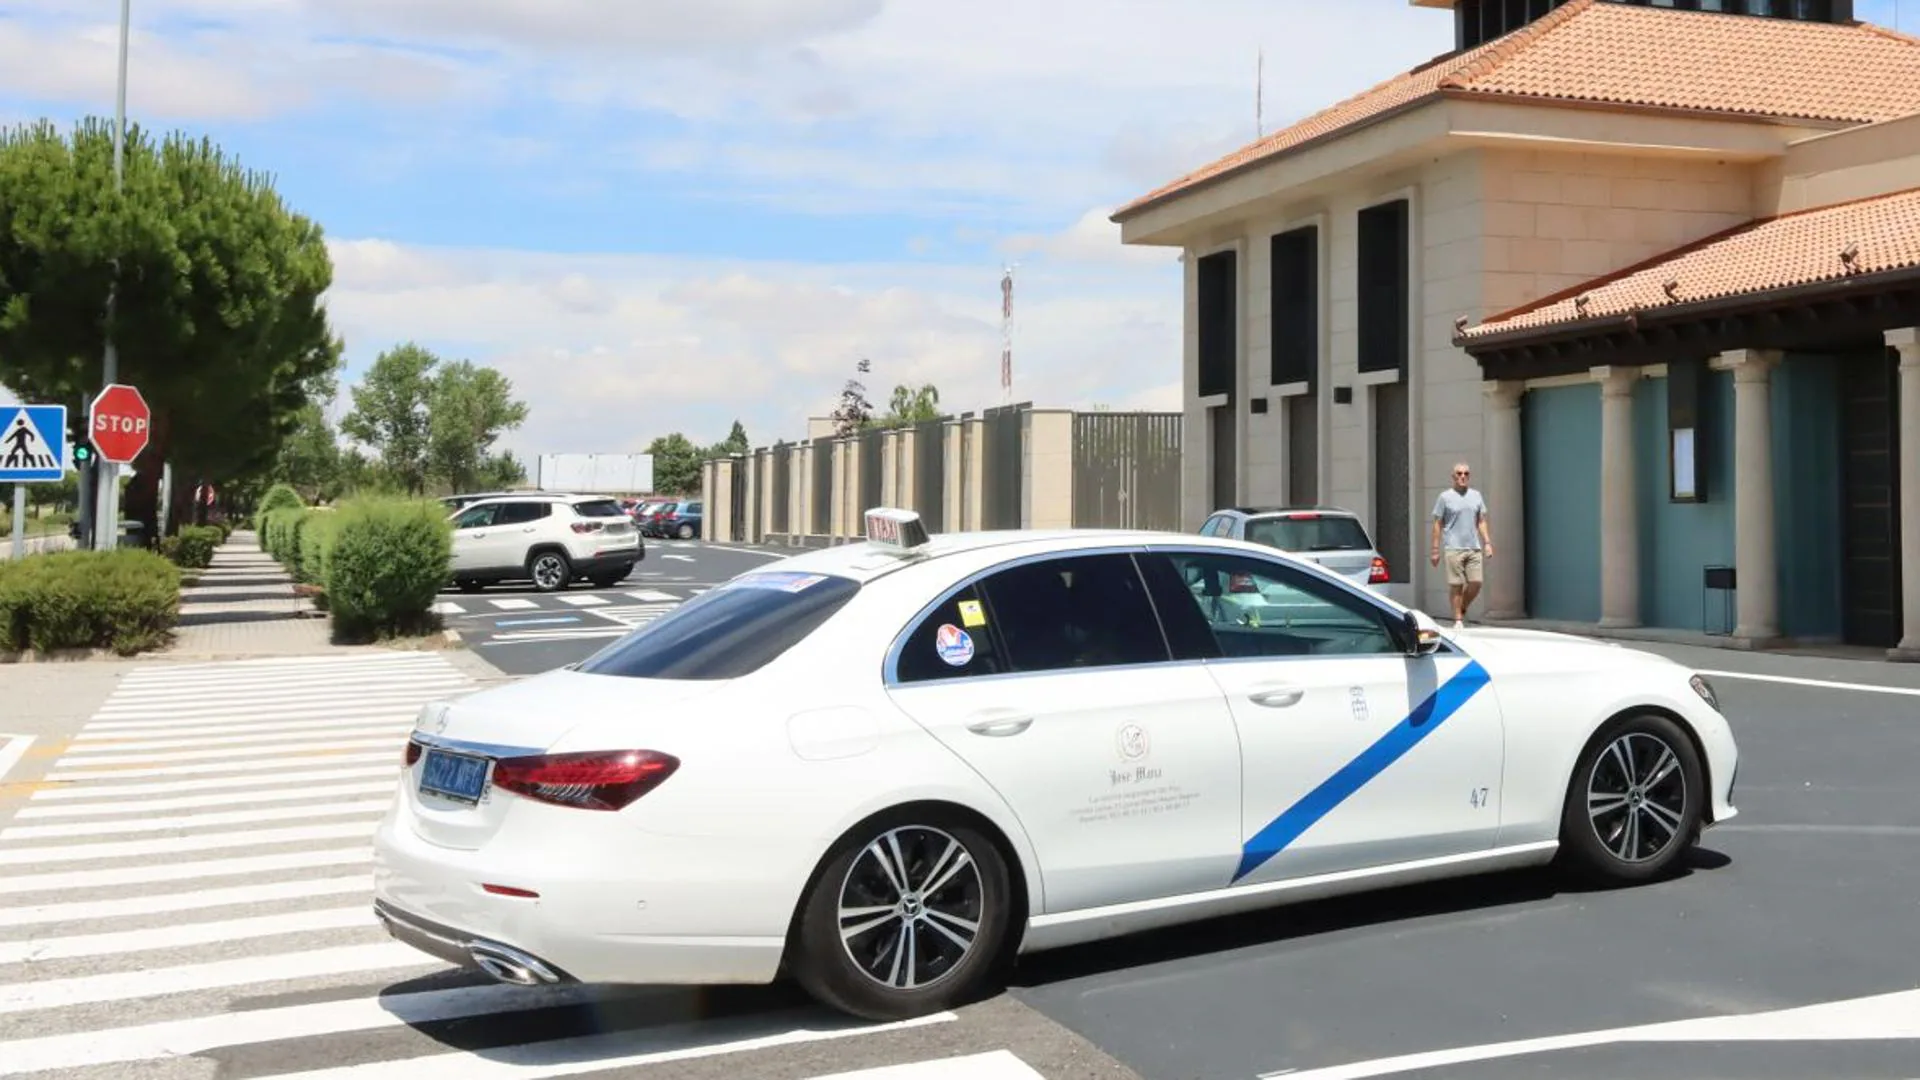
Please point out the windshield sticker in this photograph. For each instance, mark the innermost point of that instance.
(971, 615)
(784, 582)
(954, 645)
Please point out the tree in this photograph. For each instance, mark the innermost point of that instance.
(390, 413)
(676, 465)
(309, 459)
(468, 408)
(216, 288)
(911, 406)
(854, 409)
(499, 472)
(735, 442)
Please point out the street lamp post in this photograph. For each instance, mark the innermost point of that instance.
(106, 530)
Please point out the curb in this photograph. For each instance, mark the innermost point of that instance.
(62, 656)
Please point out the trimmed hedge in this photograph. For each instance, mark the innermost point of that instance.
(192, 547)
(385, 563)
(278, 497)
(127, 600)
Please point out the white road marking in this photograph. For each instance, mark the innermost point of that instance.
(38, 811)
(367, 700)
(654, 596)
(346, 729)
(245, 971)
(617, 1050)
(1823, 684)
(513, 604)
(746, 551)
(994, 1065)
(180, 845)
(681, 558)
(529, 637)
(179, 935)
(117, 876)
(448, 607)
(149, 823)
(119, 792)
(184, 1038)
(199, 768)
(581, 599)
(12, 750)
(127, 906)
(1883, 1016)
(284, 719)
(267, 754)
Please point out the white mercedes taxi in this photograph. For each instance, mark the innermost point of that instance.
(890, 766)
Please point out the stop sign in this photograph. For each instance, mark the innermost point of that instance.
(120, 421)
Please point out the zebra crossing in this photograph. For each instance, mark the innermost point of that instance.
(190, 883)
(559, 601)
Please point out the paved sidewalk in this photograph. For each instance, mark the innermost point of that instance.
(244, 605)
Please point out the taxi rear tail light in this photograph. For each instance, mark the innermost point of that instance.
(593, 780)
(1241, 583)
(1377, 575)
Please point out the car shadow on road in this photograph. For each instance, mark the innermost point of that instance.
(1275, 925)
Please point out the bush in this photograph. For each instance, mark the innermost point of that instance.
(126, 600)
(278, 497)
(276, 532)
(385, 566)
(316, 542)
(192, 547)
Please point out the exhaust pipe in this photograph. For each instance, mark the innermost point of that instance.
(510, 965)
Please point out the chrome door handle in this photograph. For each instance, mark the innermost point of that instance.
(1278, 697)
(1001, 726)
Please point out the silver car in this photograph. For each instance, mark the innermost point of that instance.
(1327, 535)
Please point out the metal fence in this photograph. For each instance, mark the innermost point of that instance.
(1005, 430)
(930, 473)
(823, 485)
(737, 505)
(780, 463)
(870, 444)
(1126, 471)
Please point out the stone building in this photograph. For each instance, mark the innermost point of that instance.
(1653, 269)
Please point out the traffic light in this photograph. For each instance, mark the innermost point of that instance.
(77, 438)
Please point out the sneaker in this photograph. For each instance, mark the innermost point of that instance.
(1459, 624)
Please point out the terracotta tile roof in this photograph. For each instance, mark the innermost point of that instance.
(1591, 51)
(1802, 248)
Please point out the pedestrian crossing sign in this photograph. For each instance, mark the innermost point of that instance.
(33, 443)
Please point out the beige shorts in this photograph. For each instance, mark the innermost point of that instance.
(1463, 566)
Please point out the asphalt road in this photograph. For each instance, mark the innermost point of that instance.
(183, 894)
(524, 632)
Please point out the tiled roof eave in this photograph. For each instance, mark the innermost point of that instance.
(1566, 330)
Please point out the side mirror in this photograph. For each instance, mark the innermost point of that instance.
(1422, 637)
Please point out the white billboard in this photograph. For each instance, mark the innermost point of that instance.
(595, 474)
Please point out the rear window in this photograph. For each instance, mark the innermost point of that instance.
(1334, 533)
(599, 508)
(731, 631)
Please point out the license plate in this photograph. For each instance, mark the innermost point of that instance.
(453, 776)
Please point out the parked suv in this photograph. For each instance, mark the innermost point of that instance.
(1327, 535)
(551, 540)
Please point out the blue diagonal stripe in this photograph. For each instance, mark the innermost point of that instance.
(1423, 721)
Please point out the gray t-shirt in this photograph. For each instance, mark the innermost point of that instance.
(1459, 516)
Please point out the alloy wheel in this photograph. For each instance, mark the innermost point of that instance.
(911, 907)
(1637, 797)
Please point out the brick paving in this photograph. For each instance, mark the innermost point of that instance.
(244, 605)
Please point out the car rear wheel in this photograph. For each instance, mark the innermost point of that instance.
(906, 918)
(685, 532)
(1635, 803)
(550, 571)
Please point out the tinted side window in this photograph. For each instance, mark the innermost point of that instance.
(731, 631)
(1082, 611)
(522, 513)
(475, 518)
(1218, 604)
(953, 641)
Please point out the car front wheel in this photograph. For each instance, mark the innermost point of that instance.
(1635, 803)
(550, 571)
(907, 917)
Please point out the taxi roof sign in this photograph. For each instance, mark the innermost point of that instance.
(900, 530)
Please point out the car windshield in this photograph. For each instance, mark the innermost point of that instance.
(1333, 532)
(734, 630)
(599, 508)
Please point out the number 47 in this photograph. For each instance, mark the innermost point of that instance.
(1477, 797)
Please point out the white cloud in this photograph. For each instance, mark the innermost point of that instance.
(628, 348)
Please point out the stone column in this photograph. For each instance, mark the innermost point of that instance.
(1907, 415)
(1505, 487)
(1619, 501)
(1755, 561)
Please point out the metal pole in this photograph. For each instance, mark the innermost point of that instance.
(19, 522)
(106, 533)
(165, 515)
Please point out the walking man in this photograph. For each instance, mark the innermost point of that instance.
(1460, 533)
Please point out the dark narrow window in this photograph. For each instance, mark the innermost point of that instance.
(1384, 290)
(1296, 306)
(1392, 475)
(1219, 319)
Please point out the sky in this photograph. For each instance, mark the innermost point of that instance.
(661, 215)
